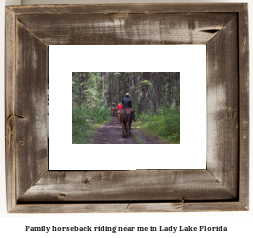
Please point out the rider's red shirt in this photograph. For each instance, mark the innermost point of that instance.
(119, 106)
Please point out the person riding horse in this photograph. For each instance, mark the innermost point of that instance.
(119, 110)
(113, 109)
(119, 106)
(127, 103)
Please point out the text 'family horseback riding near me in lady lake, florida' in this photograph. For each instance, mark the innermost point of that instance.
(115, 229)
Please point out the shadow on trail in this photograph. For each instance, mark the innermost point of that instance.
(111, 133)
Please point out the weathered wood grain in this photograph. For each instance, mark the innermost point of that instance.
(134, 29)
(10, 64)
(186, 207)
(139, 185)
(244, 106)
(30, 109)
(222, 107)
(129, 207)
(129, 8)
(70, 208)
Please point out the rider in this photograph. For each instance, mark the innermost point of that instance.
(119, 106)
(113, 108)
(127, 103)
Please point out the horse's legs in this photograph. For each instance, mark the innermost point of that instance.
(125, 130)
(122, 130)
(127, 125)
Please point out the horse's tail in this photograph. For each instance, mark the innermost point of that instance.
(126, 128)
(124, 115)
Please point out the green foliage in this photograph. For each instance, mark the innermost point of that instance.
(82, 134)
(88, 88)
(165, 124)
(75, 88)
(147, 82)
(138, 139)
(101, 113)
(86, 120)
(91, 92)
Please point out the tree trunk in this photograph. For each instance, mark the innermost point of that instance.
(152, 94)
(159, 92)
(105, 87)
(145, 86)
(117, 88)
(171, 91)
(111, 87)
(178, 89)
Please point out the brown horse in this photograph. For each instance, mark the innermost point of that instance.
(126, 117)
(113, 109)
(118, 114)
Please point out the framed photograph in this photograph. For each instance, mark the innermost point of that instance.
(34, 187)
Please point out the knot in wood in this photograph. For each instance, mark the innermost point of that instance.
(183, 199)
(86, 181)
(61, 195)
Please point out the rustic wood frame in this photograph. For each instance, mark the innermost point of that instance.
(223, 186)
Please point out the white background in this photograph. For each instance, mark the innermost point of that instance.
(239, 223)
(190, 61)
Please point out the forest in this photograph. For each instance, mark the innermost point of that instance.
(155, 97)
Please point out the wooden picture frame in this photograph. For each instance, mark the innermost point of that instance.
(222, 186)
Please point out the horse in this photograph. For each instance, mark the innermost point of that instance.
(113, 109)
(126, 117)
(118, 114)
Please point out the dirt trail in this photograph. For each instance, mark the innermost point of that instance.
(111, 133)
